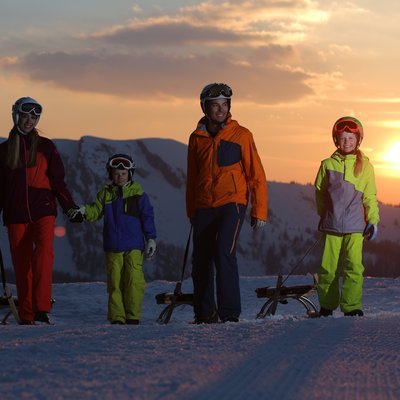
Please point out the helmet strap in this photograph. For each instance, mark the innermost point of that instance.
(21, 132)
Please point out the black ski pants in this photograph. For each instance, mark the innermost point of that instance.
(215, 233)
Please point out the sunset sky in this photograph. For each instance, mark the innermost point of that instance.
(124, 69)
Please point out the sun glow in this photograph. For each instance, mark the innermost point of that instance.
(59, 231)
(392, 159)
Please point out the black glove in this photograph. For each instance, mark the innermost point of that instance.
(257, 223)
(370, 231)
(75, 214)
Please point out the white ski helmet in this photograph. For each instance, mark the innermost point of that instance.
(26, 105)
(215, 91)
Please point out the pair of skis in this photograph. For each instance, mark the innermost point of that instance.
(7, 298)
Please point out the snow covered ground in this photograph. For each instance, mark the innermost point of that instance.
(286, 356)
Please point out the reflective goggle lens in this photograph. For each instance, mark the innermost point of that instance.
(347, 125)
(121, 162)
(218, 90)
(28, 108)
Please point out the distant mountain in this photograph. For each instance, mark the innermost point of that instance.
(289, 240)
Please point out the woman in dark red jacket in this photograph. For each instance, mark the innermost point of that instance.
(31, 179)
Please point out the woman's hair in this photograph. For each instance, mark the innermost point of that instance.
(12, 159)
(359, 163)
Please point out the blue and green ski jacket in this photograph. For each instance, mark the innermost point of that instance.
(128, 217)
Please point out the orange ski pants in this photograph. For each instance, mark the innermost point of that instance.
(32, 254)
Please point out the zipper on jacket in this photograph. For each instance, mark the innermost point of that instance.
(212, 171)
(26, 180)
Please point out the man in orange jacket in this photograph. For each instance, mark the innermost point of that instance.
(223, 171)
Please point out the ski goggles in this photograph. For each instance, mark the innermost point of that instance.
(121, 163)
(347, 125)
(217, 90)
(30, 108)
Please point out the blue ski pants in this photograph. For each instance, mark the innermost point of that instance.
(215, 233)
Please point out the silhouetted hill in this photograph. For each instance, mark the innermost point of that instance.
(161, 169)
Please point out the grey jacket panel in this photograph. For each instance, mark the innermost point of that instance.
(344, 210)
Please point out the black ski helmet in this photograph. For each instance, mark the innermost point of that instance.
(121, 161)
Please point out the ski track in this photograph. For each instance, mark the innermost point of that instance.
(287, 356)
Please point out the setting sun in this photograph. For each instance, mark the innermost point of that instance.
(392, 157)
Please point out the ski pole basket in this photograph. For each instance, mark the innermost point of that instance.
(280, 294)
(176, 298)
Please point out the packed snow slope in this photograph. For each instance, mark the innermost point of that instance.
(286, 356)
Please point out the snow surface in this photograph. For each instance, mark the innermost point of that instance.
(286, 356)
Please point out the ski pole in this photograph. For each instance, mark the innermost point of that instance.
(178, 287)
(7, 293)
(301, 260)
(3, 272)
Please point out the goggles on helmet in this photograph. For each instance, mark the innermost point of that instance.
(346, 125)
(121, 163)
(28, 108)
(219, 89)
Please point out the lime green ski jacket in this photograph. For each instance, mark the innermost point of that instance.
(346, 202)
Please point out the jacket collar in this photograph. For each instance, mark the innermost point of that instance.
(202, 127)
(337, 155)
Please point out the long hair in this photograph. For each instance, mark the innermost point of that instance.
(359, 163)
(13, 156)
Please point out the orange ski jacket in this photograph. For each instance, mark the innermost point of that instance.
(225, 169)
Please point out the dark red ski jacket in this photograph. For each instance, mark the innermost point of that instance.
(29, 193)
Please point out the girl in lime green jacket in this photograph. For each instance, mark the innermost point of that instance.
(348, 207)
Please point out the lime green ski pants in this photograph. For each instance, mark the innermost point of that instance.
(348, 249)
(125, 285)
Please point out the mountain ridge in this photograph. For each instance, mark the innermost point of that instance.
(161, 169)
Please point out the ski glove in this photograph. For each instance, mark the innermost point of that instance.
(371, 231)
(257, 223)
(76, 214)
(150, 248)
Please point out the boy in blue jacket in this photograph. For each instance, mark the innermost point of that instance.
(128, 231)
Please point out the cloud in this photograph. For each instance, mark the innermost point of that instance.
(215, 23)
(163, 76)
(253, 45)
(177, 33)
(8, 62)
